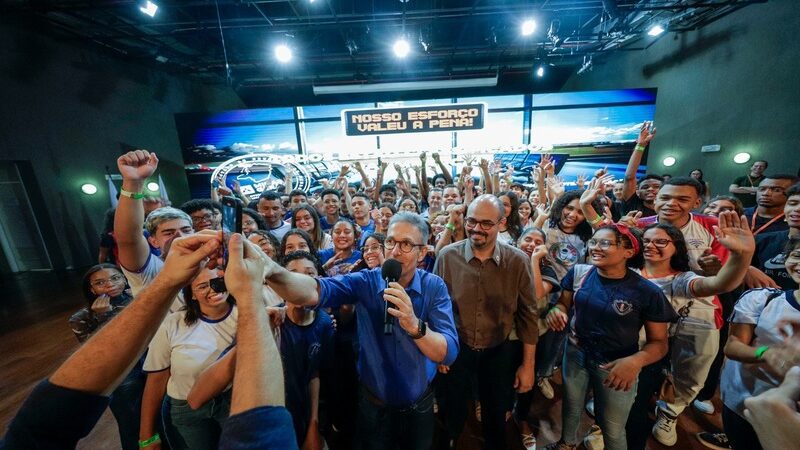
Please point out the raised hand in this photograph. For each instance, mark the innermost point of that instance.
(545, 162)
(436, 157)
(101, 304)
(484, 164)
(539, 253)
(601, 172)
(631, 219)
(187, 255)
(592, 193)
(344, 170)
(734, 234)
(581, 181)
(247, 268)
(357, 165)
(646, 133)
(543, 210)
(469, 159)
(137, 165)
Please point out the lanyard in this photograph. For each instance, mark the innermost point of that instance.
(753, 223)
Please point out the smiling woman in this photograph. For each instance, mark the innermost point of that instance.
(610, 304)
(187, 342)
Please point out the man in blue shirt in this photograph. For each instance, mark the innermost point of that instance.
(395, 369)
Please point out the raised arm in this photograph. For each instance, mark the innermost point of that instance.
(365, 182)
(734, 234)
(448, 179)
(424, 189)
(646, 134)
(135, 167)
(376, 196)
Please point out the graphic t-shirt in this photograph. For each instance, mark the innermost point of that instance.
(565, 250)
(769, 258)
(610, 312)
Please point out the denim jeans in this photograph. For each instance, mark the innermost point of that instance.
(198, 429)
(386, 427)
(126, 405)
(581, 372)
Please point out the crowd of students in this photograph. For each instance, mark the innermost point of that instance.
(646, 294)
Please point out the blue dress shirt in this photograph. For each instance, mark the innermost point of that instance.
(391, 366)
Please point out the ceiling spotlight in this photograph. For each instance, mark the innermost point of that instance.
(89, 189)
(152, 186)
(283, 53)
(540, 71)
(669, 161)
(528, 27)
(741, 158)
(401, 48)
(149, 8)
(655, 30)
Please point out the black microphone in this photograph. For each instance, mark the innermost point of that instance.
(390, 272)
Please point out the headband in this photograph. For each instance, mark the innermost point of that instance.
(625, 231)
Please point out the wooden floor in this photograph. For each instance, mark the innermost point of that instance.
(35, 339)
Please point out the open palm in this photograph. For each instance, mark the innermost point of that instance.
(734, 234)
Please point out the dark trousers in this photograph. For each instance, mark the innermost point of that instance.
(740, 433)
(382, 427)
(495, 370)
(126, 405)
(549, 351)
(639, 424)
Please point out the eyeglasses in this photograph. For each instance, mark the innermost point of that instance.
(205, 218)
(486, 225)
(604, 244)
(658, 243)
(217, 284)
(249, 223)
(373, 248)
(113, 279)
(405, 246)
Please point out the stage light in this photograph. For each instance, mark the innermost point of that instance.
(655, 30)
(89, 189)
(283, 53)
(540, 71)
(149, 8)
(528, 27)
(741, 158)
(401, 48)
(152, 186)
(669, 161)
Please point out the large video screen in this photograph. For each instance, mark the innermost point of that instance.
(584, 131)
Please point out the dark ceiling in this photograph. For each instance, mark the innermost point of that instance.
(346, 41)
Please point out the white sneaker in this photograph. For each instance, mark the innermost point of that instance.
(705, 407)
(664, 429)
(546, 388)
(528, 441)
(594, 440)
(590, 407)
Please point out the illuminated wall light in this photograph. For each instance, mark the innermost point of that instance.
(149, 8)
(669, 161)
(89, 189)
(655, 30)
(401, 48)
(152, 186)
(283, 53)
(741, 158)
(540, 71)
(528, 27)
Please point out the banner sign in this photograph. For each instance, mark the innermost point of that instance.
(414, 119)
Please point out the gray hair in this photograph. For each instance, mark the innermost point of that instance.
(495, 200)
(161, 215)
(412, 219)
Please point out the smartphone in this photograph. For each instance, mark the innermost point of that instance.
(231, 222)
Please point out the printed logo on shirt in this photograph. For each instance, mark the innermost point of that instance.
(776, 263)
(565, 253)
(622, 307)
(695, 243)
